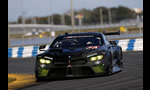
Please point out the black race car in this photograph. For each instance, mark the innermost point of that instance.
(79, 54)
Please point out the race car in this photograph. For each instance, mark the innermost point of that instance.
(79, 54)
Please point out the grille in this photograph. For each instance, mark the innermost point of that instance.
(61, 62)
(82, 71)
(72, 62)
(78, 62)
(58, 72)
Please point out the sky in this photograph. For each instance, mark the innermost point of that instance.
(48, 7)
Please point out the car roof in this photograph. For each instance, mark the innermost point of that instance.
(83, 34)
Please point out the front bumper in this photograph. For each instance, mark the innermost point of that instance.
(53, 71)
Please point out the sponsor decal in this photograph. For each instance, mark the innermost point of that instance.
(92, 47)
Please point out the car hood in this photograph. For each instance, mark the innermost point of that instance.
(69, 52)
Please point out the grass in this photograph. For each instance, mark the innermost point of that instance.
(10, 80)
(20, 81)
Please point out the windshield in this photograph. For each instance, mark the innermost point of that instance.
(77, 42)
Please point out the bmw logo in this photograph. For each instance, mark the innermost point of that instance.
(69, 56)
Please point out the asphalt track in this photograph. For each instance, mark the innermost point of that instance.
(131, 78)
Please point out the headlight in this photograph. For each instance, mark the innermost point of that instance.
(99, 57)
(43, 61)
(48, 61)
(93, 58)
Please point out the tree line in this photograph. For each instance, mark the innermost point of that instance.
(90, 16)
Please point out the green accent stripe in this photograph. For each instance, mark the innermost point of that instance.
(43, 72)
(98, 68)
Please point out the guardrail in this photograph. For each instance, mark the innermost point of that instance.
(31, 51)
(27, 28)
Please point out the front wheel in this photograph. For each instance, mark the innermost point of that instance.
(120, 62)
(110, 67)
(38, 79)
(109, 71)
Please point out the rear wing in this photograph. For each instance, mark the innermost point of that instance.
(111, 33)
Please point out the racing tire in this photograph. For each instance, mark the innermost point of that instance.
(39, 79)
(120, 57)
(110, 67)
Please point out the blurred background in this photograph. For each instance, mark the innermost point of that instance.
(36, 22)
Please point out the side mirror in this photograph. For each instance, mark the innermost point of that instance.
(113, 42)
(42, 47)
